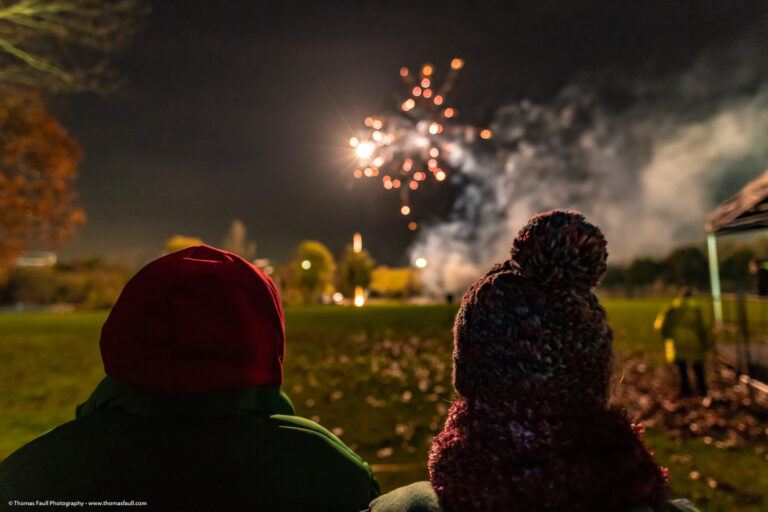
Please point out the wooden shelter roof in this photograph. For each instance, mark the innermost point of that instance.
(747, 209)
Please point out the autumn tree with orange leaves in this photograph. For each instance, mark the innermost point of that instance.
(38, 166)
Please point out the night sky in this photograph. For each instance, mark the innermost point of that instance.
(243, 109)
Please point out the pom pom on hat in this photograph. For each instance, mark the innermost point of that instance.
(559, 248)
(531, 331)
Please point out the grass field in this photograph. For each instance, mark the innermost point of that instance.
(379, 377)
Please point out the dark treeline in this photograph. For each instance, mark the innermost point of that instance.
(95, 283)
(686, 266)
(88, 282)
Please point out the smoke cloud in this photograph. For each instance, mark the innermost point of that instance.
(644, 159)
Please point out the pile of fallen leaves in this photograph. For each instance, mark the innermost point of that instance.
(732, 414)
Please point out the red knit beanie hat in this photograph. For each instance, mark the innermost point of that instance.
(196, 321)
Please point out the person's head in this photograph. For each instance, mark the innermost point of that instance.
(686, 292)
(532, 429)
(531, 331)
(196, 321)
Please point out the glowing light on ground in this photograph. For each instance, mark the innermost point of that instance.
(359, 297)
(405, 209)
(486, 134)
(306, 264)
(420, 262)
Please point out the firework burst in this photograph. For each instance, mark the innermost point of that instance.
(408, 149)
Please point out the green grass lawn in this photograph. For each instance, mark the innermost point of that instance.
(379, 377)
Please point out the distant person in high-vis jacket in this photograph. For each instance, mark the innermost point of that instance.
(686, 339)
(190, 415)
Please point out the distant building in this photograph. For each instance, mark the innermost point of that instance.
(37, 259)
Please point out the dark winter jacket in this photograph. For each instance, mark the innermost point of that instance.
(420, 497)
(233, 450)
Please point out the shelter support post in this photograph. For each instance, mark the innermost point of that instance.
(714, 279)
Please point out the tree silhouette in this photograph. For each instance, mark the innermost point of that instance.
(38, 165)
(64, 45)
(236, 241)
(355, 269)
(313, 269)
(181, 242)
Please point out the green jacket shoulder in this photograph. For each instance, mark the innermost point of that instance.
(420, 497)
(217, 453)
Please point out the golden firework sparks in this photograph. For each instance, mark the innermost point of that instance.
(417, 141)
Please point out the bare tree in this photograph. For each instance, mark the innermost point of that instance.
(236, 241)
(64, 45)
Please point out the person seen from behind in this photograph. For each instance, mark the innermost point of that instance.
(531, 428)
(190, 415)
(686, 339)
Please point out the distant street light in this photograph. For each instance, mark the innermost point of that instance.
(306, 264)
(421, 262)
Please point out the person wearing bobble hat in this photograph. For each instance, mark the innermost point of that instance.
(190, 415)
(531, 428)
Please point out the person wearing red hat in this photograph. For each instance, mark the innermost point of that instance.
(531, 428)
(190, 414)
